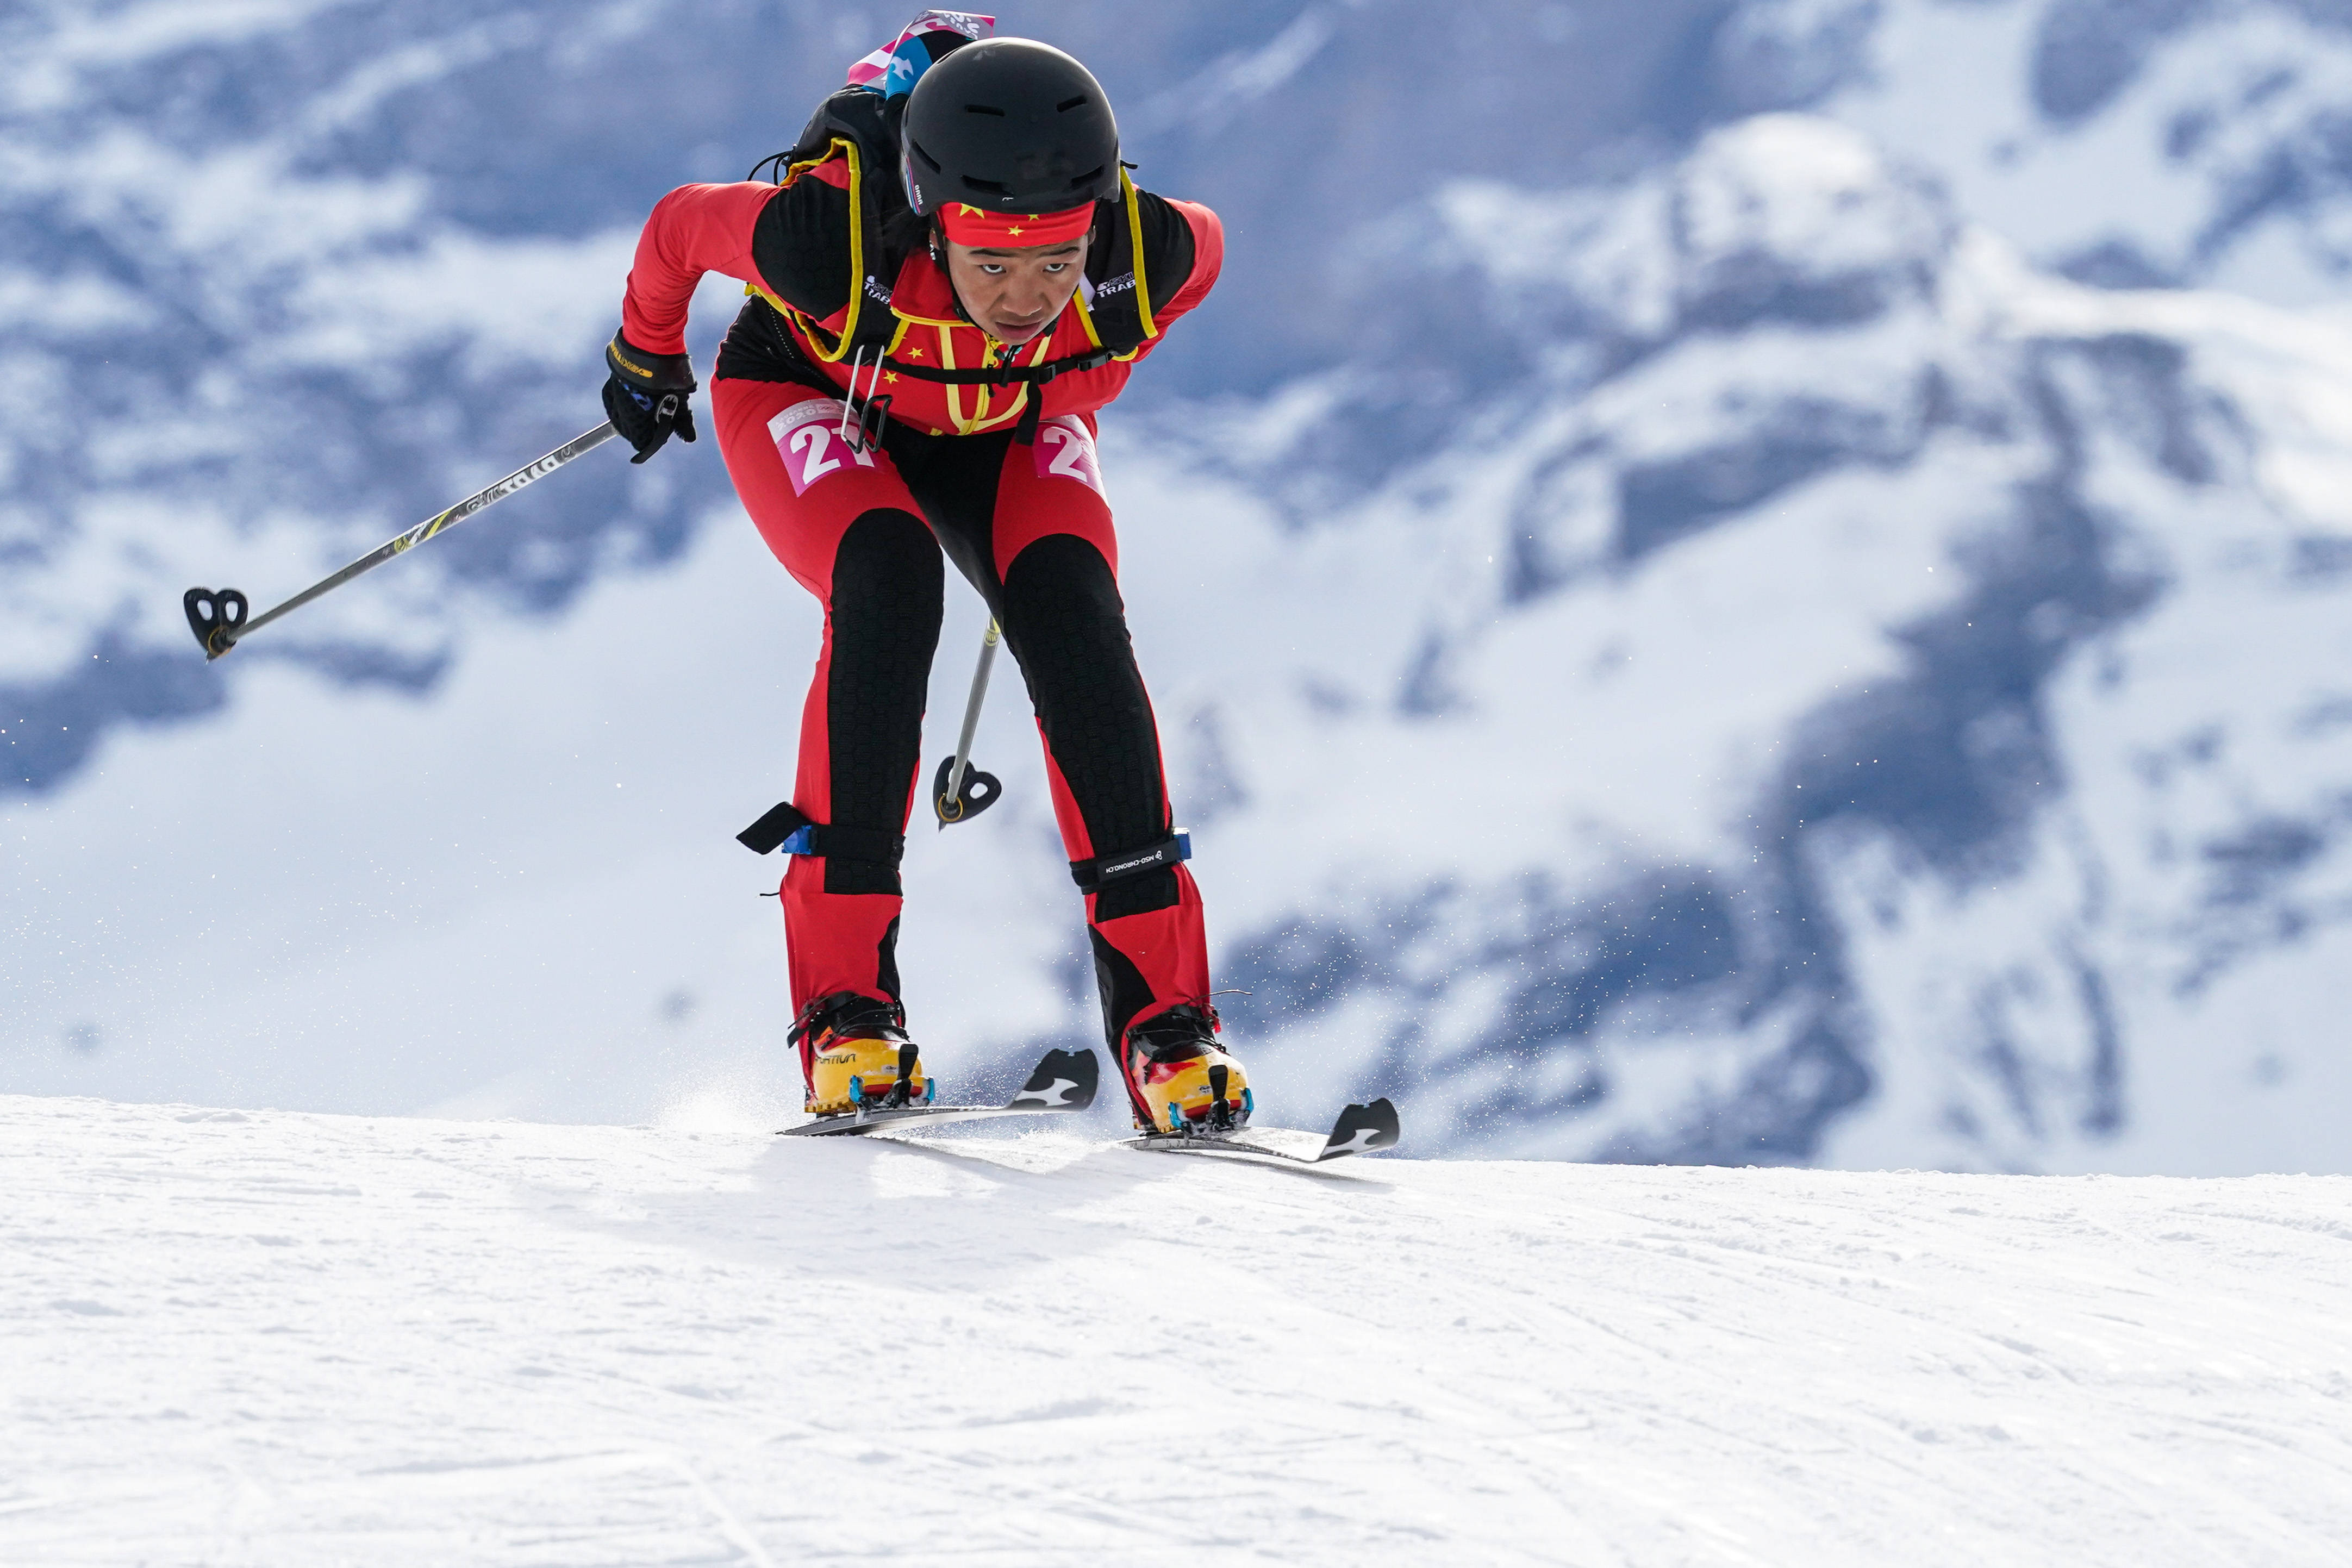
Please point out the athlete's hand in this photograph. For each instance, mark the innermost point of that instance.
(645, 397)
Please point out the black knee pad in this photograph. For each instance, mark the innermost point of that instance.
(887, 584)
(1067, 625)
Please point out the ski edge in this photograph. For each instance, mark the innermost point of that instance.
(1357, 1129)
(1063, 1081)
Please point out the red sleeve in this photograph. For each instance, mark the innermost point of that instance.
(1208, 260)
(695, 229)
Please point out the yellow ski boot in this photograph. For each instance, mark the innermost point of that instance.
(854, 1054)
(1179, 1079)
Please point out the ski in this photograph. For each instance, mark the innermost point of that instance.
(1065, 1081)
(1359, 1130)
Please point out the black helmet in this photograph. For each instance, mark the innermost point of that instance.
(1010, 125)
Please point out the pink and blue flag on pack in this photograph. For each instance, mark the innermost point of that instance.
(893, 71)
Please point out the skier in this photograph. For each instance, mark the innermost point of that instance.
(950, 275)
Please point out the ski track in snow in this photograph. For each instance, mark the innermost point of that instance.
(264, 1337)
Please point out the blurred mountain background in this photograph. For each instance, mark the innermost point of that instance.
(1746, 582)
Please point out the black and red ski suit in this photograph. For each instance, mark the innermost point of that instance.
(1026, 522)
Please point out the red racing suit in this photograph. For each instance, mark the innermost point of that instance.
(1027, 523)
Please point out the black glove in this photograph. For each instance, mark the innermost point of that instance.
(646, 398)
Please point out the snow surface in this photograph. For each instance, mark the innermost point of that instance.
(262, 1337)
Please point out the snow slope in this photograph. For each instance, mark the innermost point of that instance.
(277, 1338)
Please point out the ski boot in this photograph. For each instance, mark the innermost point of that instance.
(1180, 1080)
(855, 1055)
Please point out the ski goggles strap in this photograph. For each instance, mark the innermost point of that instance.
(1090, 875)
(786, 827)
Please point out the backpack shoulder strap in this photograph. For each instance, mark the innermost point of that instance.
(1118, 316)
(862, 129)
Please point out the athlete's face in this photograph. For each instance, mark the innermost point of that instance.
(1013, 295)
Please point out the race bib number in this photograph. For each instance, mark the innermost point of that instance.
(1065, 449)
(808, 438)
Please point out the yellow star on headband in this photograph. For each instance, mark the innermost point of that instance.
(963, 208)
(1014, 231)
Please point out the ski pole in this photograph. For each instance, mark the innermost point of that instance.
(953, 796)
(217, 616)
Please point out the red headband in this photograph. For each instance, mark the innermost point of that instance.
(968, 224)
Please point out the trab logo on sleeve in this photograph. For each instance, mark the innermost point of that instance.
(1065, 449)
(808, 438)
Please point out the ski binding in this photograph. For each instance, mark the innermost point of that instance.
(1359, 1130)
(1065, 1081)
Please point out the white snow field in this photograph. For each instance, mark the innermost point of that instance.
(265, 1337)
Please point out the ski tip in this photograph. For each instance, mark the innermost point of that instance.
(1361, 1129)
(1065, 1081)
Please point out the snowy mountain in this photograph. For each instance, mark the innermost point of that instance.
(2177, 142)
(273, 1338)
(1688, 630)
(1877, 702)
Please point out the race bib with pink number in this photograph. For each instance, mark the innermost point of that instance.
(808, 438)
(1065, 449)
